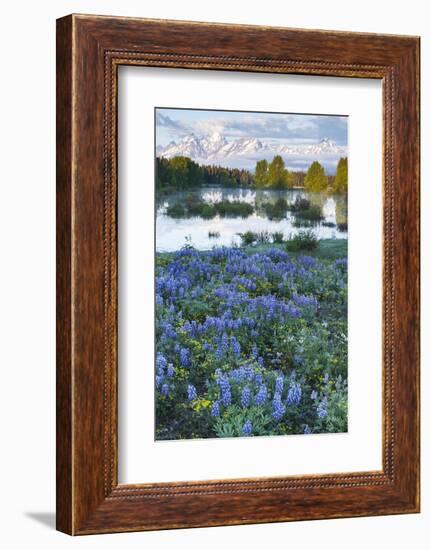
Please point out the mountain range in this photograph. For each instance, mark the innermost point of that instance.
(244, 152)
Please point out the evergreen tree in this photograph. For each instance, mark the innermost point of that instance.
(315, 180)
(182, 172)
(340, 183)
(261, 174)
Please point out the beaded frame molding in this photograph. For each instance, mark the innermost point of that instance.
(89, 51)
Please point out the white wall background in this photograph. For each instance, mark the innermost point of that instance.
(27, 279)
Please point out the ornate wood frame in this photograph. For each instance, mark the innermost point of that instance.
(89, 51)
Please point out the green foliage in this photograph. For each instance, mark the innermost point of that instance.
(262, 237)
(316, 180)
(299, 222)
(341, 176)
(247, 238)
(304, 240)
(277, 237)
(182, 172)
(261, 174)
(193, 206)
(217, 377)
(278, 175)
(277, 210)
(341, 212)
(176, 210)
(306, 214)
(331, 249)
(226, 177)
(313, 213)
(232, 422)
(273, 175)
(300, 204)
(232, 209)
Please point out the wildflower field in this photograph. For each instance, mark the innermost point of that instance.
(250, 342)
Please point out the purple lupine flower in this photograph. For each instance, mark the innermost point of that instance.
(245, 397)
(294, 394)
(185, 357)
(165, 390)
(224, 343)
(223, 347)
(305, 301)
(247, 429)
(278, 409)
(236, 347)
(191, 392)
(170, 371)
(279, 384)
(321, 408)
(160, 363)
(261, 395)
(226, 396)
(215, 409)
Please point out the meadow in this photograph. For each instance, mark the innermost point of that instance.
(251, 340)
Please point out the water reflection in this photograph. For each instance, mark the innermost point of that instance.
(172, 233)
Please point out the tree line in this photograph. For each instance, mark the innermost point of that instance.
(182, 173)
(275, 175)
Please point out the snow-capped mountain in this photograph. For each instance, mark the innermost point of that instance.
(215, 148)
(213, 143)
(324, 146)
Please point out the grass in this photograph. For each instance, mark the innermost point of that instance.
(261, 237)
(277, 237)
(304, 241)
(327, 249)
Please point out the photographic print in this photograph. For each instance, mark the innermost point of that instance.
(251, 273)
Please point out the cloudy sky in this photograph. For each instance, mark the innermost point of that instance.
(173, 124)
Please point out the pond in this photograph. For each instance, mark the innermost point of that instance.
(173, 233)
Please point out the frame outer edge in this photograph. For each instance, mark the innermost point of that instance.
(81, 506)
(407, 274)
(64, 300)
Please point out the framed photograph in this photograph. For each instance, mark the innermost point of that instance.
(237, 274)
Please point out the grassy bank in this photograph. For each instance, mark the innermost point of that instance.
(327, 249)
